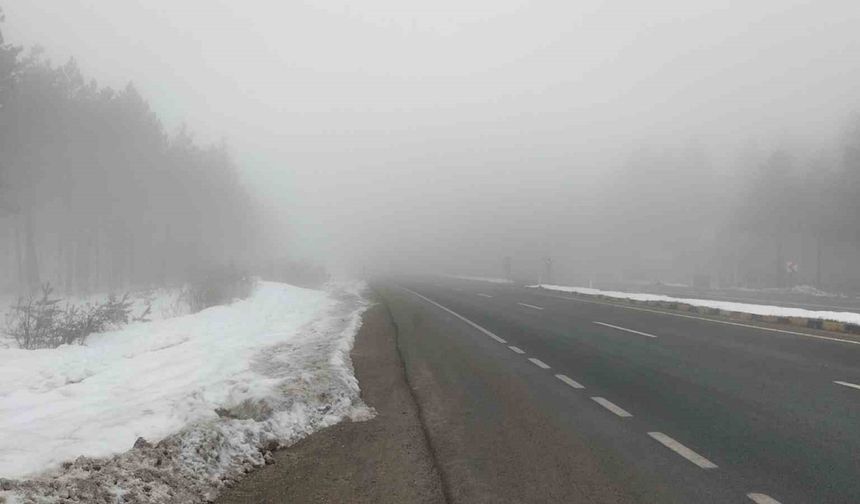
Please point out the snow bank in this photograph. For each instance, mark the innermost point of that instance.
(755, 309)
(210, 392)
(481, 279)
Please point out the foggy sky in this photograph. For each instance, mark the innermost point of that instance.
(448, 134)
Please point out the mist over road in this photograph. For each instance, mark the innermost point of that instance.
(530, 397)
(172, 156)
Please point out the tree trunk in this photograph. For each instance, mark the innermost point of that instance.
(97, 255)
(69, 256)
(60, 257)
(119, 257)
(129, 247)
(31, 262)
(82, 263)
(18, 259)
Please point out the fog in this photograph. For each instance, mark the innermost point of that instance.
(625, 140)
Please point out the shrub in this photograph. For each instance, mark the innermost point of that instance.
(38, 321)
(32, 320)
(216, 287)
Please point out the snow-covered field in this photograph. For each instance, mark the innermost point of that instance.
(756, 309)
(210, 393)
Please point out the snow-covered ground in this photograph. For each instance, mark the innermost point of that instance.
(212, 391)
(756, 309)
(481, 279)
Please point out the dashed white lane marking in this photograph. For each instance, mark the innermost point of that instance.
(611, 406)
(683, 450)
(625, 329)
(846, 384)
(539, 363)
(484, 295)
(726, 322)
(760, 498)
(464, 319)
(530, 306)
(573, 383)
(517, 349)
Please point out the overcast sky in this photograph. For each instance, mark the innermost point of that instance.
(381, 129)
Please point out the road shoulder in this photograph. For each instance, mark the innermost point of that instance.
(383, 460)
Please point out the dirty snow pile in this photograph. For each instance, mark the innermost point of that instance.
(756, 309)
(175, 409)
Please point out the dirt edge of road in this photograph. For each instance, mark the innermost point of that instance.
(384, 460)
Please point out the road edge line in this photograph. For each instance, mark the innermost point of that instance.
(452, 312)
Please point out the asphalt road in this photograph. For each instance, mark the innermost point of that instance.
(594, 402)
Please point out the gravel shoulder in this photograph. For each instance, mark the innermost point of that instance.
(385, 459)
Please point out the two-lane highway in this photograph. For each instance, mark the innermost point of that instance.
(657, 407)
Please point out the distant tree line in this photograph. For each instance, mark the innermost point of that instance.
(774, 217)
(95, 194)
(802, 211)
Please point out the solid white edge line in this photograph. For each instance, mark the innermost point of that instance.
(484, 295)
(760, 498)
(530, 306)
(517, 349)
(539, 363)
(464, 319)
(611, 406)
(726, 322)
(682, 450)
(846, 384)
(624, 329)
(573, 383)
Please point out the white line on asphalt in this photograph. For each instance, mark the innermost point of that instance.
(530, 306)
(611, 406)
(625, 329)
(683, 450)
(573, 383)
(484, 295)
(726, 322)
(464, 319)
(539, 363)
(846, 384)
(760, 498)
(516, 349)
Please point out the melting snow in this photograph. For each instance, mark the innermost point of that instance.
(213, 391)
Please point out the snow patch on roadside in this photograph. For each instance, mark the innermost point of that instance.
(755, 309)
(207, 396)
